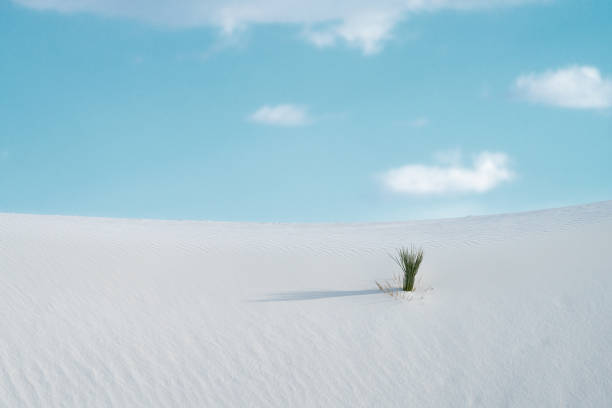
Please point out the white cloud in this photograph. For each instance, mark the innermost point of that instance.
(365, 31)
(281, 115)
(487, 171)
(419, 122)
(578, 87)
(363, 24)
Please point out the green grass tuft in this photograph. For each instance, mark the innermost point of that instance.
(409, 259)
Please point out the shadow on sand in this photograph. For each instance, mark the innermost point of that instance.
(315, 294)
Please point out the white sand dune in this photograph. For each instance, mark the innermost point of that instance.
(138, 313)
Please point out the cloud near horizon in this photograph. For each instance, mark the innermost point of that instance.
(488, 170)
(281, 115)
(361, 24)
(576, 87)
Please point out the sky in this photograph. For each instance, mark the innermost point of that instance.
(295, 111)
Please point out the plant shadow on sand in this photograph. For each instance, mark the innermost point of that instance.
(315, 294)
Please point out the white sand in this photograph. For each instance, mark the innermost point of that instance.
(129, 313)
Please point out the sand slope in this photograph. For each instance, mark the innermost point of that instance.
(136, 313)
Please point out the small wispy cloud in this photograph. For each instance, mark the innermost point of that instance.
(487, 171)
(419, 122)
(366, 31)
(577, 87)
(281, 115)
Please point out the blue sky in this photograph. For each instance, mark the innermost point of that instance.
(304, 111)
